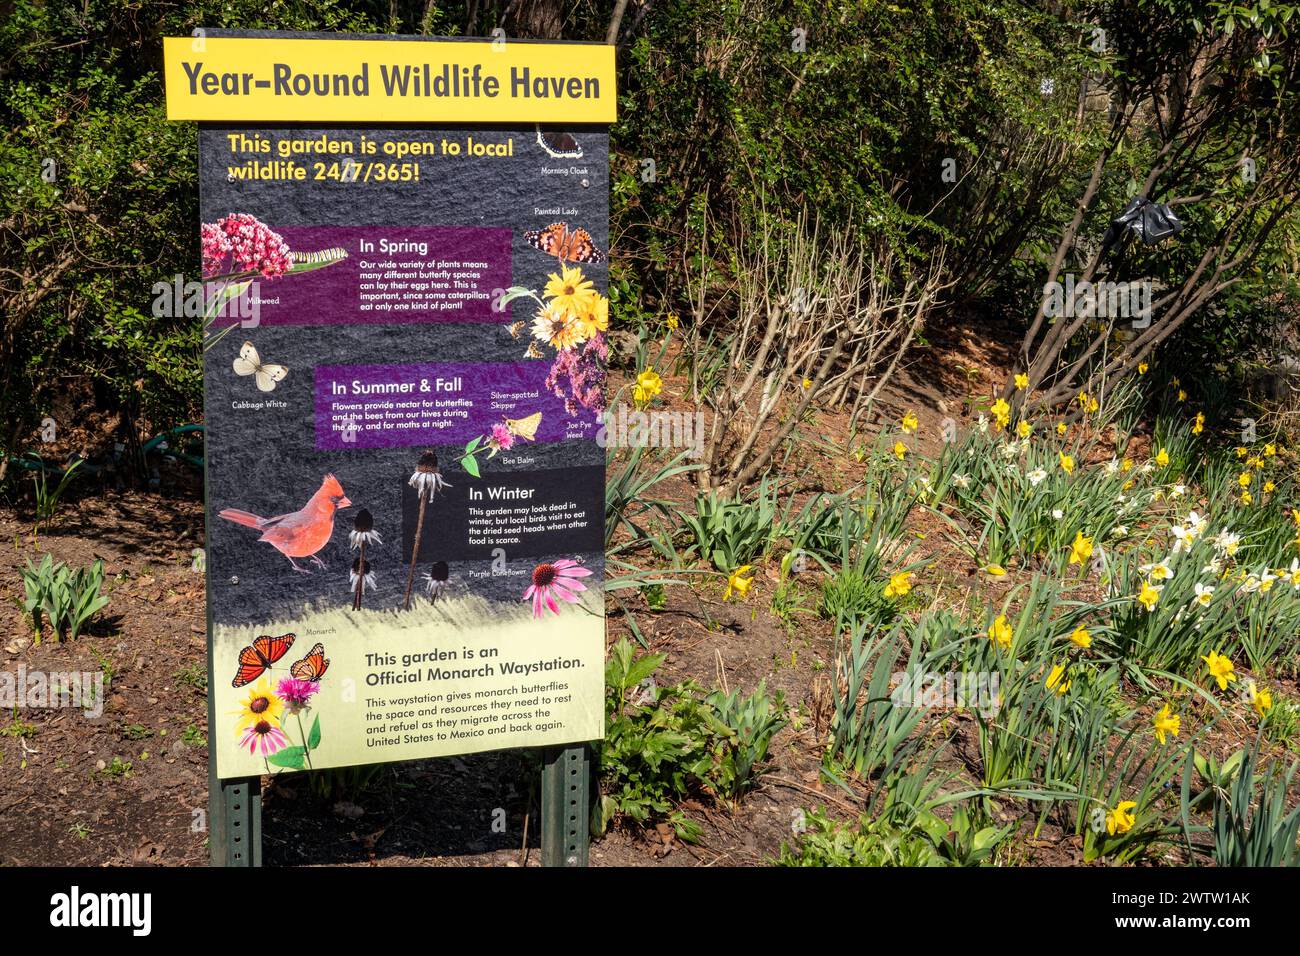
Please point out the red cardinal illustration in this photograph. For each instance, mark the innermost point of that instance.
(302, 533)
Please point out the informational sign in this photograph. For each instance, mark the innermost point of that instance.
(404, 380)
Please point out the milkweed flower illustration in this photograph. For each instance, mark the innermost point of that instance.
(296, 694)
(251, 245)
(555, 579)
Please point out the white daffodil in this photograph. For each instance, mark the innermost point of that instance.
(1111, 467)
(1177, 491)
(1184, 537)
(1196, 523)
(1058, 514)
(1159, 571)
(1036, 476)
(1227, 542)
(961, 481)
(1204, 594)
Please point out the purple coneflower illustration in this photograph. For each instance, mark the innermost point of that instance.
(557, 579)
(426, 480)
(264, 737)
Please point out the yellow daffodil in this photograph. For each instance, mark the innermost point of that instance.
(1148, 596)
(1182, 395)
(1056, 679)
(1268, 487)
(1023, 429)
(995, 571)
(1247, 497)
(1120, 820)
(1269, 450)
(1199, 425)
(909, 423)
(900, 450)
(1080, 548)
(1166, 722)
(1001, 413)
(806, 384)
(738, 584)
(1081, 638)
(648, 385)
(1220, 668)
(1142, 368)
(1000, 632)
(1062, 428)
(1022, 381)
(1067, 462)
(1162, 458)
(899, 584)
(673, 321)
(1261, 698)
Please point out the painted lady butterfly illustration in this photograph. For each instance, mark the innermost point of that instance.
(567, 245)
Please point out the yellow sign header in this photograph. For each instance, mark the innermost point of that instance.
(387, 81)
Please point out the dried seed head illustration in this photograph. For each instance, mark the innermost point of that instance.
(436, 580)
(361, 577)
(363, 531)
(427, 478)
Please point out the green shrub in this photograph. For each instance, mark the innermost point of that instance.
(668, 743)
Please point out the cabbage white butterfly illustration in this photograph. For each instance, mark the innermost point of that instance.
(250, 363)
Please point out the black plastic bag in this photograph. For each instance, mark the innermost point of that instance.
(1152, 222)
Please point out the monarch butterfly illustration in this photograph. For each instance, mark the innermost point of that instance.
(313, 666)
(525, 427)
(256, 659)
